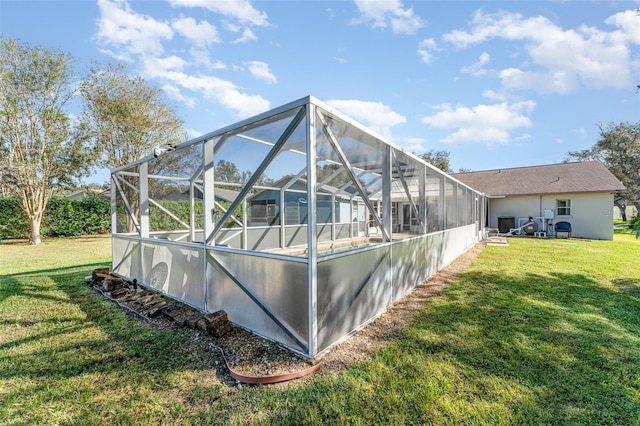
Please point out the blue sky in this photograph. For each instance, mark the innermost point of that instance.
(497, 84)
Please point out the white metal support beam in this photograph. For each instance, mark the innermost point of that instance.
(143, 183)
(312, 231)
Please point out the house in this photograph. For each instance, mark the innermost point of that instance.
(266, 205)
(580, 193)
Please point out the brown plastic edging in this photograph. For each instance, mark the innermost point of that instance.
(264, 380)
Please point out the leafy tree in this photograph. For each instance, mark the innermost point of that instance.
(437, 158)
(226, 171)
(124, 119)
(37, 147)
(619, 150)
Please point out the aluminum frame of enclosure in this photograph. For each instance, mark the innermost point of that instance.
(300, 223)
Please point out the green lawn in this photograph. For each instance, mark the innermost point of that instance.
(542, 331)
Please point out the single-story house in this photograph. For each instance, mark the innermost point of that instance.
(580, 193)
(266, 205)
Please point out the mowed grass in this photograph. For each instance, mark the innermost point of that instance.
(543, 331)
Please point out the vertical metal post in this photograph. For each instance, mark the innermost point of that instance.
(208, 203)
(192, 211)
(443, 197)
(143, 185)
(422, 199)
(281, 206)
(114, 205)
(245, 229)
(114, 215)
(312, 267)
(387, 162)
(333, 217)
(208, 190)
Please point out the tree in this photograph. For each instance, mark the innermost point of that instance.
(619, 150)
(37, 147)
(226, 171)
(437, 158)
(124, 117)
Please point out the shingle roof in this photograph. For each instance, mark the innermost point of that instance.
(588, 176)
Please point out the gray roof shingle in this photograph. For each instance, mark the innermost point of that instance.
(588, 176)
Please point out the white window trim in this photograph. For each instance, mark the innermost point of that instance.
(567, 207)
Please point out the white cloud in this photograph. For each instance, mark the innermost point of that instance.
(242, 10)
(128, 35)
(582, 132)
(477, 69)
(628, 23)
(193, 133)
(425, 48)
(222, 91)
(412, 144)
(129, 32)
(153, 67)
(200, 34)
(247, 35)
(388, 13)
(218, 65)
(375, 115)
(559, 60)
(261, 71)
(481, 123)
(174, 93)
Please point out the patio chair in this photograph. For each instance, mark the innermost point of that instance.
(563, 227)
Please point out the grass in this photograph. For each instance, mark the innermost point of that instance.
(543, 331)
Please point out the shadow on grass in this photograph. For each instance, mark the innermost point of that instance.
(548, 348)
(63, 336)
(552, 349)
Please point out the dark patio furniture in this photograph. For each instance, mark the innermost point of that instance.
(563, 227)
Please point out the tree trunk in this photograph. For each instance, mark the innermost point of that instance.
(35, 221)
(623, 212)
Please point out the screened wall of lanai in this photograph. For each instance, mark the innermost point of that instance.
(300, 223)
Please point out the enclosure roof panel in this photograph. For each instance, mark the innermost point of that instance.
(361, 145)
(588, 176)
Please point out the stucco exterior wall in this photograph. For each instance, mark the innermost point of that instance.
(591, 213)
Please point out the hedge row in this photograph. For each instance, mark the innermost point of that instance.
(62, 218)
(65, 218)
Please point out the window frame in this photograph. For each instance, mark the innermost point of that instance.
(567, 208)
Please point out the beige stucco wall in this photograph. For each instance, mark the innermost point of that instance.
(592, 215)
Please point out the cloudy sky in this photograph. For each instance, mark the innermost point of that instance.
(497, 84)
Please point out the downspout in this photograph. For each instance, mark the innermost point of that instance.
(540, 214)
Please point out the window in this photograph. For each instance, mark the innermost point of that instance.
(263, 212)
(563, 207)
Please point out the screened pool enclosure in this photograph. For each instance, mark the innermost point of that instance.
(300, 223)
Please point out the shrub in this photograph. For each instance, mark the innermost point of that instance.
(634, 224)
(13, 221)
(62, 218)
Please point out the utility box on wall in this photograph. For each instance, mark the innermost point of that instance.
(548, 213)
